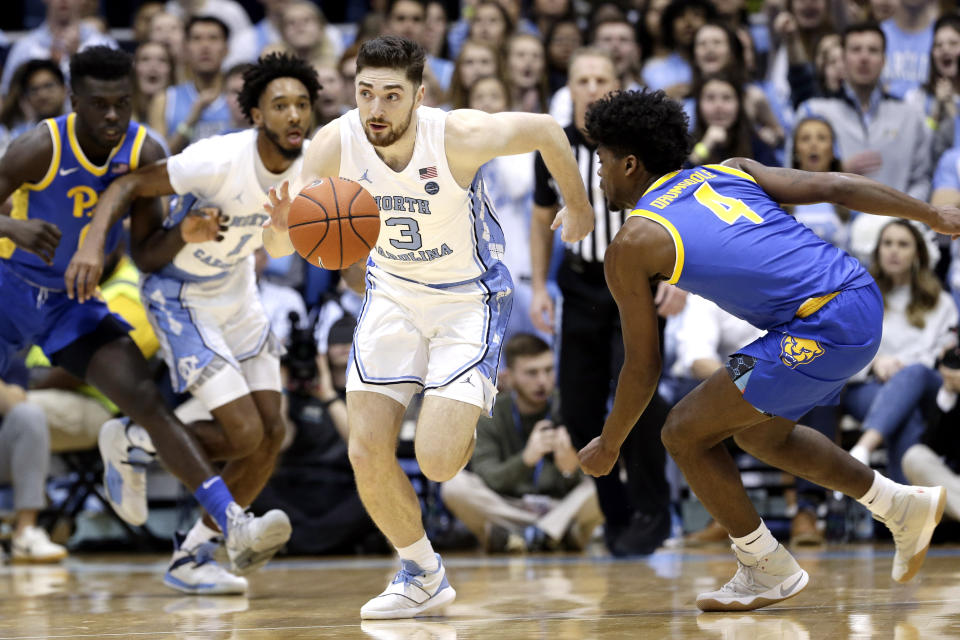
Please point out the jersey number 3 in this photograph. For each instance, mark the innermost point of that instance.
(724, 207)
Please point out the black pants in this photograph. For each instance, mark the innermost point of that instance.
(591, 355)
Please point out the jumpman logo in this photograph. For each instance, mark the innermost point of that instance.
(364, 177)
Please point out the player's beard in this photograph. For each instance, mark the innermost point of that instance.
(391, 135)
(286, 152)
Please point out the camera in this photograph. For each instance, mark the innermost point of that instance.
(300, 358)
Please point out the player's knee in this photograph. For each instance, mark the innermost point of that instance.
(673, 436)
(437, 465)
(367, 456)
(274, 432)
(245, 436)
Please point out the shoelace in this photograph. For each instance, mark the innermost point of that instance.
(406, 578)
(743, 578)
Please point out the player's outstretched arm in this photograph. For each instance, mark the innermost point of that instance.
(150, 181)
(321, 159)
(629, 264)
(27, 160)
(792, 186)
(475, 137)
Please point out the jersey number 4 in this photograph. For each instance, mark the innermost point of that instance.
(724, 207)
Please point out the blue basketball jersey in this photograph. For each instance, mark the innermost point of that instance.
(737, 247)
(214, 120)
(66, 196)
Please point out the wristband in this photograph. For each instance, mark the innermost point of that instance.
(931, 123)
(185, 130)
(701, 150)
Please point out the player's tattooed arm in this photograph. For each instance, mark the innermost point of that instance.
(27, 160)
(473, 138)
(321, 159)
(855, 192)
(640, 255)
(136, 192)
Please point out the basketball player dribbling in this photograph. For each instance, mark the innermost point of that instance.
(718, 231)
(437, 297)
(200, 292)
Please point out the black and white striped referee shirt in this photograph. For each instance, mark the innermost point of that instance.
(546, 194)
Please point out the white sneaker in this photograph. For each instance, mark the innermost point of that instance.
(758, 582)
(33, 546)
(412, 592)
(252, 541)
(195, 571)
(126, 450)
(916, 512)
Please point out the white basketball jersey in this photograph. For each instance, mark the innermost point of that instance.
(221, 172)
(432, 230)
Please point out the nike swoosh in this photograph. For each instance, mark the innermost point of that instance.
(66, 172)
(209, 483)
(786, 592)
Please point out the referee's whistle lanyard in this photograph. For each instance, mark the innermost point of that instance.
(518, 425)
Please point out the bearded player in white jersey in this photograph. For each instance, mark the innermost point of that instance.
(200, 292)
(438, 296)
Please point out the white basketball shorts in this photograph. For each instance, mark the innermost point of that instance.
(446, 341)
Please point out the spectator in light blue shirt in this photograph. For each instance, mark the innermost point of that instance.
(407, 18)
(909, 40)
(61, 35)
(679, 24)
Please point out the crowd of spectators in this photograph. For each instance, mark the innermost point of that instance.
(865, 86)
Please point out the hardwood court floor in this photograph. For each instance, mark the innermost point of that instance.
(557, 597)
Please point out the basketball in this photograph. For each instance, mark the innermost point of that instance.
(333, 223)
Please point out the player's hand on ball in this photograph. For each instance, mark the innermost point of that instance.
(203, 225)
(574, 224)
(278, 207)
(598, 458)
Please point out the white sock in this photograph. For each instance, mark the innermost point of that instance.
(198, 534)
(757, 543)
(879, 497)
(422, 553)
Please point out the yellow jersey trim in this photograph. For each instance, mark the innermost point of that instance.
(732, 171)
(78, 152)
(677, 240)
(811, 305)
(137, 146)
(54, 159)
(659, 181)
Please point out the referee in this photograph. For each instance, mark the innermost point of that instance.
(637, 513)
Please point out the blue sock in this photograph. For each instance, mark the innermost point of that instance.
(214, 496)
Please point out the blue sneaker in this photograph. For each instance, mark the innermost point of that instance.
(194, 571)
(412, 592)
(127, 451)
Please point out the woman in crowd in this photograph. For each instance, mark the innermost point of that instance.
(491, 24)
(717, 49)
(435, 30)
(476, 59)
(939, 97)
(678, 24)
(814, 142)
(153, 67)
(562, 39)
(304, 32)
(723, 128)
(527, 73)
(169, 29)
(890, 395)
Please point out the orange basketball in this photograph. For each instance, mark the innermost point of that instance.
(333, 223)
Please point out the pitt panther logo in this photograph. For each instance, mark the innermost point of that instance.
(797, 351)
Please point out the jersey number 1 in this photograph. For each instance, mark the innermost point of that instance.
(724, 207)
